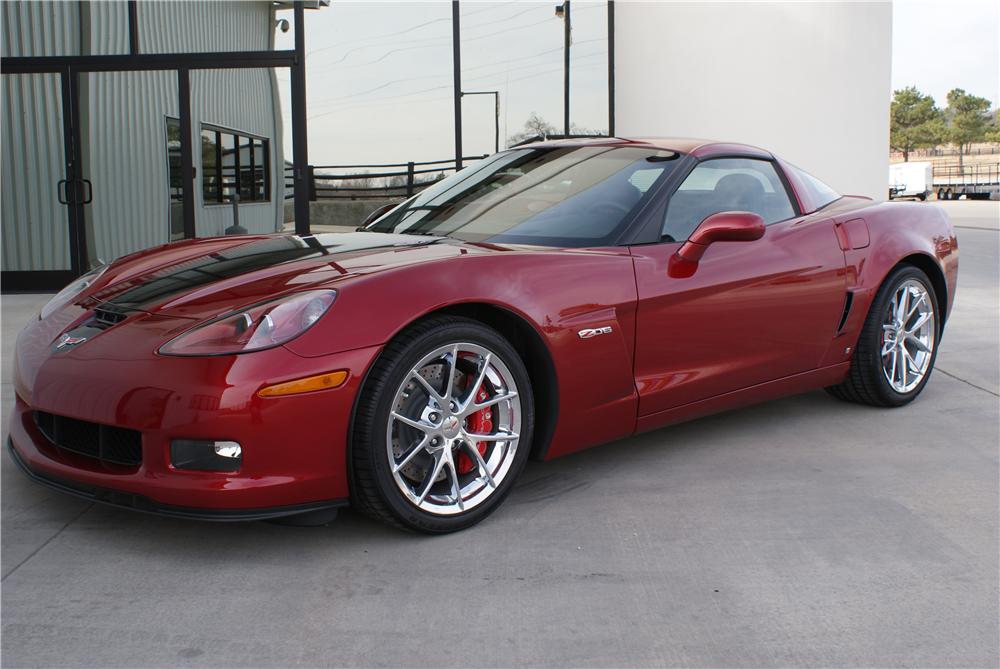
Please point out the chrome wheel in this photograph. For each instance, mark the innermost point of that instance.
(454, 429)
(908, 336)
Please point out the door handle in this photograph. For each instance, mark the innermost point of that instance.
(61, 191)
(89, 197)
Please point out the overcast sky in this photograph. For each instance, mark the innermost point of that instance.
(380, 81)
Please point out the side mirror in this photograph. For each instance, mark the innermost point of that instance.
(726, 226)
(377, 214)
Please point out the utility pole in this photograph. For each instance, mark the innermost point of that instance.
(456, 51)
(563, 11)
(611, 68)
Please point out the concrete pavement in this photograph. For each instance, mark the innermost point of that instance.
(803, 532)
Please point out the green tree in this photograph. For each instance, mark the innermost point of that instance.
(914, 121)
(993, 132)
(968, 119)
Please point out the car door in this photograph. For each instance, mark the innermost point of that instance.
(752, 311)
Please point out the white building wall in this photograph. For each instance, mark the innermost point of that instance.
(808, 81)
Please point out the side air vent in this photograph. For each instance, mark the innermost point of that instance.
(848, 303)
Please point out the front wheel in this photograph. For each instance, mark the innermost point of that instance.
(443, 427)
(898, 343)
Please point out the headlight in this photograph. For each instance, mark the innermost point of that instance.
(258, 327)
(66, 295)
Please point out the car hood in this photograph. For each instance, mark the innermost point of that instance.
(209, 277)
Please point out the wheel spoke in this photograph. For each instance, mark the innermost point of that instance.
(413, 452)
(903, 370)
(904, 301)
(479, 406)
(499, 436)
(887, 348)
(449, 387)
(409, 421)
(895, 359)
(431, 390)
(480, 463)
(919, 324)
(480, 377)
(438, 464)
(916, 342)
(914, 307)
(456, 488)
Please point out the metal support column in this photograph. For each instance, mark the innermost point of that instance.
(456, 51)
(187, 155)
(300, 136)
(133, 27)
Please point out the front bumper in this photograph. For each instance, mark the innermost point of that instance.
(145, 505)
(294, 447)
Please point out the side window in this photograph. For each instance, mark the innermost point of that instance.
(726, 184)
(819, 192)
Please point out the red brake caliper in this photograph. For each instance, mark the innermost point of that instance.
(480, 422)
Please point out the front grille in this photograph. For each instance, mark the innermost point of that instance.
(116, 445)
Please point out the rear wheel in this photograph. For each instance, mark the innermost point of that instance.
(898, 344)
(443, 427)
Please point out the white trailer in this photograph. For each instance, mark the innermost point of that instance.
(911, 180)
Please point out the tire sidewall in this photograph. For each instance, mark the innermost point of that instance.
(459, 330)
(889, 287)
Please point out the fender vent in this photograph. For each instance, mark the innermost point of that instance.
(848, 302)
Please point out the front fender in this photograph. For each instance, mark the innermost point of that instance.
(557, 292)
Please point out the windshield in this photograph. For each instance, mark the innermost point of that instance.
(569, 196)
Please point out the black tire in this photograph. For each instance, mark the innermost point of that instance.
(922, 197)
(866, 383)
(373, 489)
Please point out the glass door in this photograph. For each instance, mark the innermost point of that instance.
(41, 191)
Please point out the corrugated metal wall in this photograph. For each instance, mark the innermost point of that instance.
(35, 228)
(123, 118)
(128, 111)
(42, 28)
(125, 151)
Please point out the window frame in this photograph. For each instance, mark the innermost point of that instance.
(172, 197)
(237, 135)
(651, 231)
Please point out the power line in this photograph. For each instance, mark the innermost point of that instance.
(387, 84)
(376, 41)
(408, 30)
(401, 99)
(426, 42)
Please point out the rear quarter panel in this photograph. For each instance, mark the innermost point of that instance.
(896, 231)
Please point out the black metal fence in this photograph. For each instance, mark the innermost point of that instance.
(940, 151)
(373, 182)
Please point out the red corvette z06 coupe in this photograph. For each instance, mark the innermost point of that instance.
(546, 299)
